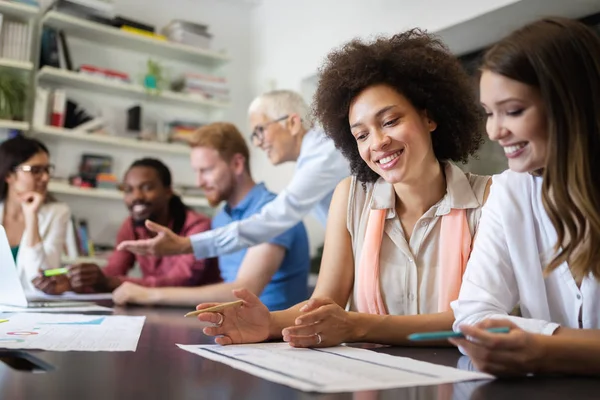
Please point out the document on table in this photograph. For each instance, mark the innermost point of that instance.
(38, 295)
(330, 370)
(70, 332)
(57, 309)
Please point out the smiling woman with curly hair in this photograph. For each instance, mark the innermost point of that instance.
(418, 67)
(400, 229)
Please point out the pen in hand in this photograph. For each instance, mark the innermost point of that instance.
(216, 308)
(442, 335)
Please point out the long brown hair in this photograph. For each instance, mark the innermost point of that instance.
(561, 58)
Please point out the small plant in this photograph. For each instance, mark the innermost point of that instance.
(13, 95)
(154, 80)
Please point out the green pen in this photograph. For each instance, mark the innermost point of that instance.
(442, 335)
(55, 271)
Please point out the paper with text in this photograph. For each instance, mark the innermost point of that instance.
(70, 332)
(331, 370)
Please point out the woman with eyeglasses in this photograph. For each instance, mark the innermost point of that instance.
(35, 225)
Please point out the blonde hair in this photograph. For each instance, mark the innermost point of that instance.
(277, 103)
(223, 137)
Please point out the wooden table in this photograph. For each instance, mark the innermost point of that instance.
(159, 370)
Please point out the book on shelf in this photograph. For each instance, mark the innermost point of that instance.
(142, 32)
(15, 39)
(207, 86)
(189, 33)
(59, 106)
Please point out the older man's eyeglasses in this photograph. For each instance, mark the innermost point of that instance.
(258, 134)
(36, 170)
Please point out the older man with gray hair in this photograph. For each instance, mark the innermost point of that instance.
(281, 126)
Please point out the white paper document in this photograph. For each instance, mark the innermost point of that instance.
(331, 370)
(70, 332)
(37, 295)
(57, 309)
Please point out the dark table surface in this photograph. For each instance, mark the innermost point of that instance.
(160, 370)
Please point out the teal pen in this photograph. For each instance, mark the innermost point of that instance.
(442, 335)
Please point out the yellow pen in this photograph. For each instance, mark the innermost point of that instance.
(218, 308)
(3, 320)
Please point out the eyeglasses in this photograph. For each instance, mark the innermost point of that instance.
(36, 170)
(258, 134)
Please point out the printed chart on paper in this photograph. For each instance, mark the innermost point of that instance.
(70, 332)
(329, 370)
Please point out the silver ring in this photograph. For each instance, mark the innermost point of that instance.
(221, 320)
(319, 340)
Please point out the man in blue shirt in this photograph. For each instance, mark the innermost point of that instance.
(276, 271)
(282, 127)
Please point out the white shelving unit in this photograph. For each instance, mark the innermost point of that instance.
(15, 64)
(18, 10)
(81, 81)
(157, 147)
(107, 37)
(115, 37)
(64, 188)
(22, 126)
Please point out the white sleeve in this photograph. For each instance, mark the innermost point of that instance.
(46, 254)
(315, 178)
(490, 288)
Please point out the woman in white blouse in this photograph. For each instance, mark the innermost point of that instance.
(36, 226)
(538, 245)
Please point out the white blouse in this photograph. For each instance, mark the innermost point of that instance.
(514, 243)
(53, 220)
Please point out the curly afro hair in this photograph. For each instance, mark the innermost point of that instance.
(421, 68)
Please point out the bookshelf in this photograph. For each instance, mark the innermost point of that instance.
(99, 85)
(114, 37)
(59, 187)
(108, 140)
(18, 10)
(18, 125)
(16, 64)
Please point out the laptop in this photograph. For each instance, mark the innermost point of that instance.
(11, 291)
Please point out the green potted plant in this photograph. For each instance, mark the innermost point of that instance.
(13, 95)
(154, 79)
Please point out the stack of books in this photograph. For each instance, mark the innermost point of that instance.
(189, 33)
(208, 86)
(15, 39)
(181, 131)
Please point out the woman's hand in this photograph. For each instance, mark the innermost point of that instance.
(31, 203)
(248, 323)
(505, 354)
(324, 324)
